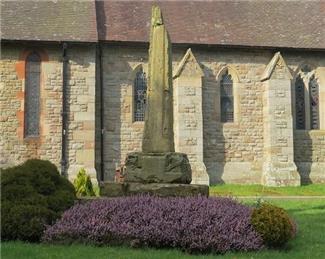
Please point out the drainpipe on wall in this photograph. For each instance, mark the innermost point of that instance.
(101, 100)
(64, 112)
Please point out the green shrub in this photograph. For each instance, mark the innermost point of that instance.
(83, 184)
(273, 224)
(33, 195)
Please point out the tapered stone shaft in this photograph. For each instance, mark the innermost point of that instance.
(158, 129)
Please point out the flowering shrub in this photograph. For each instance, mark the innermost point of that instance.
(194, 224)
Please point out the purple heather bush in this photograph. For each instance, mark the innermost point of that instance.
(194, 224)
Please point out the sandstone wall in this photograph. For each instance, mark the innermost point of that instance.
(239, 143)
(309, 152)
(233, 152)
(14, 147)
(121, 134)
(81, 108)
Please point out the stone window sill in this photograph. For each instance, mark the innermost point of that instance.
(32, 139)
(138, 124)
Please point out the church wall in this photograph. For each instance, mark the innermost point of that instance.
(14, 147)
(309, 145)
(239, 144)
(81, 110)
(121, 133)
(309, 152)
(233, 152)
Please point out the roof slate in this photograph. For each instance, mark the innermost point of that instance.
(49, 20)
(296, 24)
(258, 23)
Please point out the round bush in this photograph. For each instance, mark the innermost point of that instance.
(273, 224)
(33, 196)
(196, 224)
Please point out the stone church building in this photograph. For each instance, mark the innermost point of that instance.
(249, 86)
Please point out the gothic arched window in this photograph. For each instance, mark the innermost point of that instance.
(227, 99)
(32, 95)
(140, 95)
(307, 99)
(300, 103)
(314, 102)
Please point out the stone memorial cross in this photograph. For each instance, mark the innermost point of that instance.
(158, 128)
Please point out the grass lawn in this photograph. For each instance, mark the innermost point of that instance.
(310, 242)
(259, 190)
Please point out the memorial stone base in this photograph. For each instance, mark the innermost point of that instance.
(113, 189)
(161, 174)
(168, 167)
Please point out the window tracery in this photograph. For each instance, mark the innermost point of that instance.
(300, 103)
(32, 95)
(306, 99)
(227, 98)
(314, 103)
(140, 95)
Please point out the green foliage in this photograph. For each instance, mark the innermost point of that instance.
(25, 222)
(96, 189)
(273, 224)
(33, 195)
(83, 184)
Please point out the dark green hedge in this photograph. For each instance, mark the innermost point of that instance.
(33, 195)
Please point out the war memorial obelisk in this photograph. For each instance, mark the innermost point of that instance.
(158, 169)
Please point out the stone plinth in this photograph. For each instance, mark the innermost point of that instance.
(112, 189)
(169, 167)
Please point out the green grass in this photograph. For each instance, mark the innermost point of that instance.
(309, 214)
(259, 190)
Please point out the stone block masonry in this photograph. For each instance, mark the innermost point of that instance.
(232, 152)
(309, 154)
(279, 168)
(14, 147)
(188, 122)
(81, 120)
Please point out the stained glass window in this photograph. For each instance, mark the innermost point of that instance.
(32, 95)
(314, 103)
(227, 99)
(140, 94)
(300, 103)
